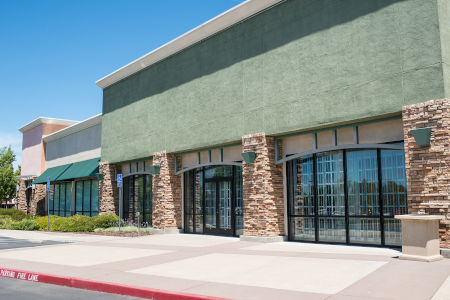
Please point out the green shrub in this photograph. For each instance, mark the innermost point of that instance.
(74, 224)
(15, 214)
(25, 224)
(105, 221)
(42, 222)
(5, 221)
(77, 223)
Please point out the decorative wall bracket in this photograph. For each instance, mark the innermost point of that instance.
(422, 136)
(99, 176)
(154, 169)
(249, 157)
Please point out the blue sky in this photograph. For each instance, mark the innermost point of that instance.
(52, 52)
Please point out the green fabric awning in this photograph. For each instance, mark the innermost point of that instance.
(53, 173)
(87, 168)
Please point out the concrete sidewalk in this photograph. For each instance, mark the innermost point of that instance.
(228, 268)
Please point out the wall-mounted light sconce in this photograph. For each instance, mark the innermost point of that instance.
(249, 157)
(154, 169)
(422, 136)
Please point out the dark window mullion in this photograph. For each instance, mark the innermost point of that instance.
(193, 176)
(233, 201)
(380, 197)
(82, 197)
(290, 184)
(316, 209)
(90, 198)
(347, 222)
(203, 199)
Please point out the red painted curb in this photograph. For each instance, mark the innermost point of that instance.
(99, 286)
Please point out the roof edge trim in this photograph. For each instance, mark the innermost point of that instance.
(44, 120)
(92, 121)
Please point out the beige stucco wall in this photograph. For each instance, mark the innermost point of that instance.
(78, 146)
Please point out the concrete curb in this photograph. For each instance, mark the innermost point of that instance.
(99, 286)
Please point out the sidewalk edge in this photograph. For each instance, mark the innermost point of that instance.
(99, 286)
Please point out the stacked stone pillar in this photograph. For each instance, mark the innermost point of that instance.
(22, 196)
(428, 168)
(166, 194)
(109, 192)
(37, 199)
(262, 189)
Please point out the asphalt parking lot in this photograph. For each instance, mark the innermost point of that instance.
(11, 243)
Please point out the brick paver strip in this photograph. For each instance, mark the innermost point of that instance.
(99, 286)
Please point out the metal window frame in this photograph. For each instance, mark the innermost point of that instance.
(135, 195)
(291, 170)
(193, 213)
(52, 210)
(84, 212)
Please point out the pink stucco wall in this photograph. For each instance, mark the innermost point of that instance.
(32, 151)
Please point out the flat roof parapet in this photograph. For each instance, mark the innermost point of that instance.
(45, 120)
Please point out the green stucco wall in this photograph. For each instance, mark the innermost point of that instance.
(444, 26)
(301, 64)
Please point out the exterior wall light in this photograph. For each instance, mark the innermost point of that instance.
(154, 169)
(422, 136)
(249, 157)
(99, 176)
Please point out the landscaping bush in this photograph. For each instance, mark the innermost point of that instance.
(105, 221)
(74, 224)
(42, 222)
(15, 214)
(5, 221)
(77, 223)
(25, 224)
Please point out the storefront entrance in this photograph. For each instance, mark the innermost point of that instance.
(213, 200)
(218, 206)
(137, 198)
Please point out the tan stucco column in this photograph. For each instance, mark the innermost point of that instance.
(420, 237)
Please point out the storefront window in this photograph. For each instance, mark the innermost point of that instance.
(61, 199)
(347, 196)
(86, 197)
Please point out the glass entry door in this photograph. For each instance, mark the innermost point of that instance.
(218, 207)
(213, 201)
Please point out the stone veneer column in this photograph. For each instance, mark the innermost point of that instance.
(166, 194)
(37, 202)
(262, 189)
(428, 168)
(37, 199)
(108, 190)
(22, 197)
